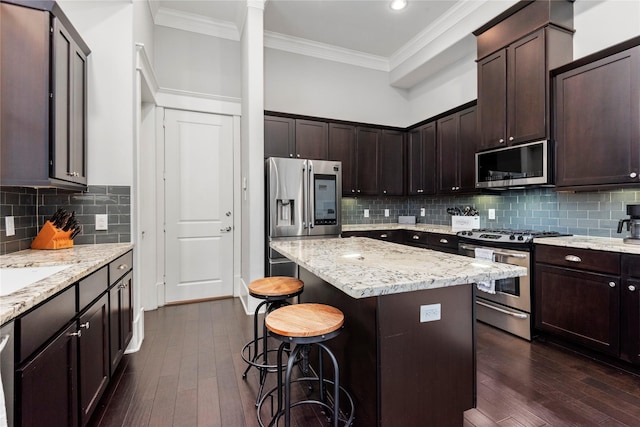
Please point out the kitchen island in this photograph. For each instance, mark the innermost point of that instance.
(407, 353)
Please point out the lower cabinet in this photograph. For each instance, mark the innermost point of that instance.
(422, 239)
(396, 236)
(630, 309)
(121, 318)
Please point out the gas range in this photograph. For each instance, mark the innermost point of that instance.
(506, 235)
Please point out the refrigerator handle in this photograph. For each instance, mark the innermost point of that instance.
(311, 196)
(305, 192)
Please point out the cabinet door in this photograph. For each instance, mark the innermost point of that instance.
(415, 177)
(368, 142)
(448, 181)
(48, 394)
(492, 100)
(69, 107)
(579, 306)
(597, 116)
(279, 136)
(527, 89)
(312, 140)
(342, 147)
(630, 318)
(392, 163)
(421, 160)
(120, 319)
(93, 362)
(467, 146)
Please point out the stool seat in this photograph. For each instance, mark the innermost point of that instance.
(275, 287)
(304, 320)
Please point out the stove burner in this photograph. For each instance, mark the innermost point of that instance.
(507, 235)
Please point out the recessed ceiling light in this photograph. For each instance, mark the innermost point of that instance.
(398, 4)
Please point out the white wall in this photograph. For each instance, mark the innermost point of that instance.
(197, 63)
(107, 29)
(143, 27)
(316, 87)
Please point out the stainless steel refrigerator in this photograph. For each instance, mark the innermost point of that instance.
(303, 201)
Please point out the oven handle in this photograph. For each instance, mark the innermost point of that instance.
(521, 256)
(510, 313)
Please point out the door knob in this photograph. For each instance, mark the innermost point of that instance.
(612, 284)
(225, 230)
(632, 288)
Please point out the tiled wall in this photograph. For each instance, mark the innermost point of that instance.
(591, 213)
(32, 207)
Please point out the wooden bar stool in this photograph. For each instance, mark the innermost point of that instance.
(274, 291)
(306, 325)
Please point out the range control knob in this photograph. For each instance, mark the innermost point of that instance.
(469, 233)
(520, 238)
(512, 237)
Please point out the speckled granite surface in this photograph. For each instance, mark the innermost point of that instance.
(363, 267)
(84, 260)
(587, 242)
(431, 228)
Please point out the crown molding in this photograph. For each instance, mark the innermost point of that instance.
(324, 51)
(196, 24)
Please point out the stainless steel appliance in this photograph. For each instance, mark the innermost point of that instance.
(515, 166)
(510, 307)
(633, 224)
(303, 201)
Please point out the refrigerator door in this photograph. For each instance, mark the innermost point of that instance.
(325, 197)
(286, 197)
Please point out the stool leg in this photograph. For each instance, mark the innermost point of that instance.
(336, 384)
(287, 385)
(279, 384)
(255, 338)
(323, 397)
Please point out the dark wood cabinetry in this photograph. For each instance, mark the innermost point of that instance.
(421, 160)
(342, 147)
(577, 295)
(300, 138)
(515, 53)
(392, 163)
(121, 318)
(630, 309)
(456, 146)
(44, 98)
(435, 241)
(367, 152)
(396, 236)
(597, 116)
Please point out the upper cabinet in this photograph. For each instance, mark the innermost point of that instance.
(597, 119)
(299, 138)
(456, 145)
(44, 98)
(342, 147)
(515, 52)
(392, 163)
(367, 154)
(421, 160)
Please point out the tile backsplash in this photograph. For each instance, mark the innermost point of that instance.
(589, 213)
(32, 207)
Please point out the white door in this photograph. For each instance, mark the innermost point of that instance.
(199, 202)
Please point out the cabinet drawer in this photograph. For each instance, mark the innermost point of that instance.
(443, 241)
(92, 286)
(355, 234)
(40, 324)
(631, 265)
(416, 238)
(582, 259)
(120, 266)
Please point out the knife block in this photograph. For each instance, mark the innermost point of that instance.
(51, 237)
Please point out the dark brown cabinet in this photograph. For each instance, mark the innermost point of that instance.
(421, 160)
(367, 152)
(395, 236)
(597, 116)
(299, 138)
(392, 163)
(456, 146)
(577, 295)
(342, 147)
(435, 241)
(516, 50)
(630, 309)
(121, 318)
(44, 98)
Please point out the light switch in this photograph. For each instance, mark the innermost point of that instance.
(386, 212)
(423, 212)
(102, 222)
(492, 214)
(9, 226)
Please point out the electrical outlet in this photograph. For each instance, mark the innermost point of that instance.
(492, 214)
(430, 312)
(9, 226)
(366, 213)
(386, 212)
(102, 222)
(423, 212)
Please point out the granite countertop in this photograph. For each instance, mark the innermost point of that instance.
(83, 260)
(609, 244)
(363, 267)
(430, 228)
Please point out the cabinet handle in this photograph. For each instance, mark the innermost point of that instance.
(415, 237)
(384, 191)
(76, 334)
(573, 258)
(420, 191)
(84, 325)
(612, 284)
(633, 174)
(501, 141)
(358, 191)
(122, 285)
(444, 241)
(384, 236)
(632, 288)
(123, 267)
(290, 154)
(353, 191)
(298, 155)
(510, 138)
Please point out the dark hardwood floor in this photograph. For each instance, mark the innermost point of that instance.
(189, 373)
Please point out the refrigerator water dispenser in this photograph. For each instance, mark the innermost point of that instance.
(285, 212)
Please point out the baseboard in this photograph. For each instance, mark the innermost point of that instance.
(138, 333)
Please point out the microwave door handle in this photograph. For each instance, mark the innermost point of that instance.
(504, 254)
(312, 197)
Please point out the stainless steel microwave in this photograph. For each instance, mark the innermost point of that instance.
(515, 166)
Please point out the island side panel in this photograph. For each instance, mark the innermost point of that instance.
(355, 348)
(428, 372)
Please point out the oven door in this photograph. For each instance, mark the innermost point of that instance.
(514, 292)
